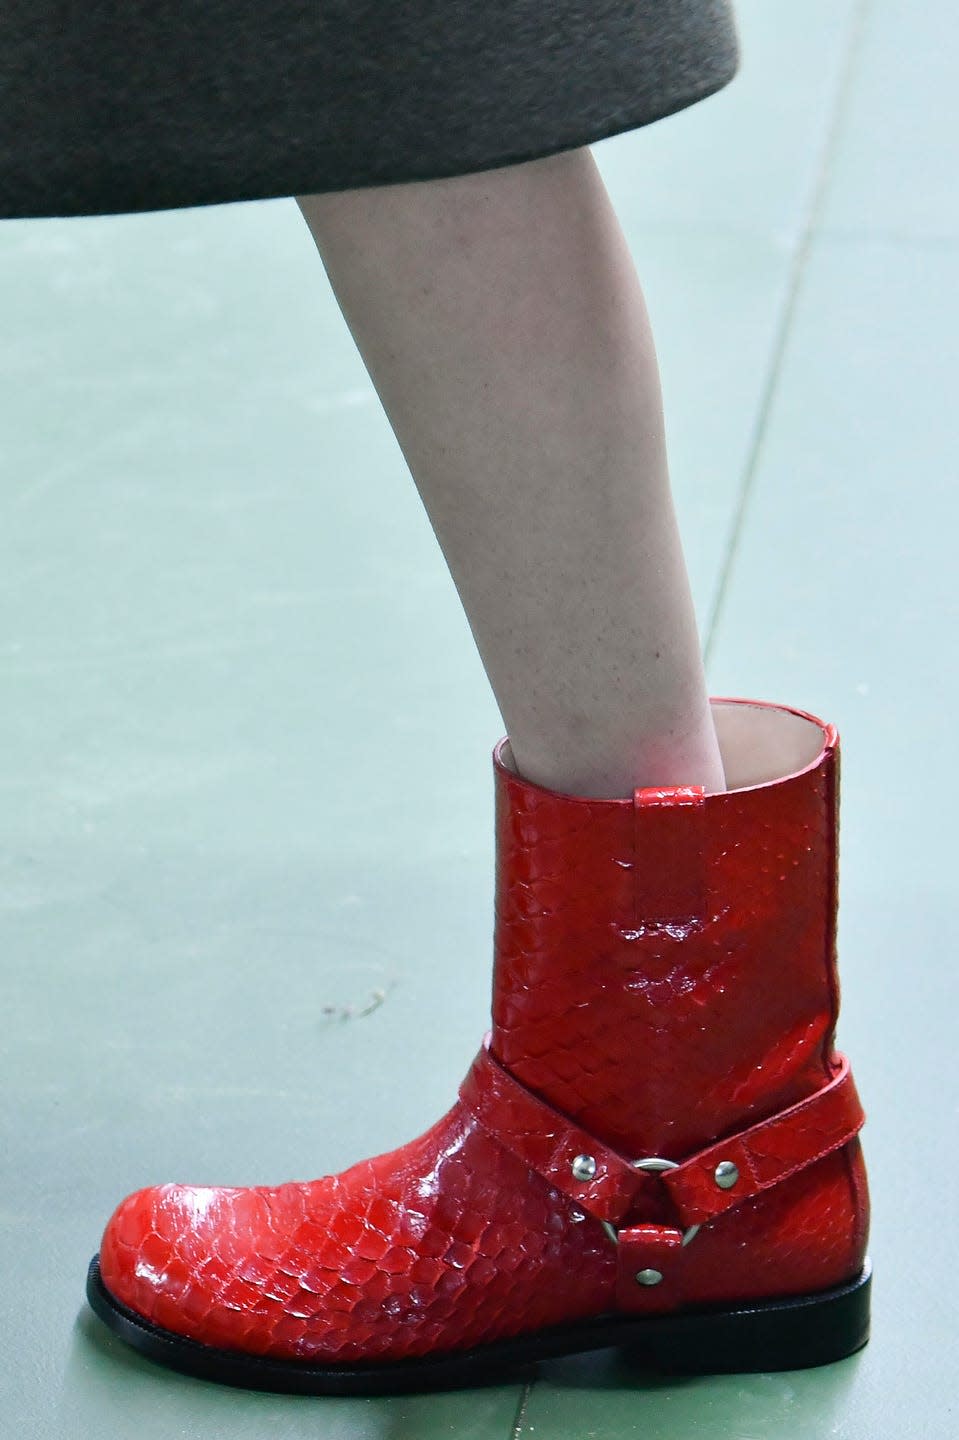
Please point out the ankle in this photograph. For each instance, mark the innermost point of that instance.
(611, 772)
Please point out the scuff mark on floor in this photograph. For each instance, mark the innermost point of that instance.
(354, 1012)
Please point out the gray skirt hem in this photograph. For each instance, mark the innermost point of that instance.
(238, 100)
(144, 192)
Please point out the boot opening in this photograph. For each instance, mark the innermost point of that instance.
(761, 743)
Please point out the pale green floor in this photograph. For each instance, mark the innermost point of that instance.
(245, 736)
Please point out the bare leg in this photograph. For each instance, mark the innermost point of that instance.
(503, 325)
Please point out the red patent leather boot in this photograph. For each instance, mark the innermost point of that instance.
(656, 1147)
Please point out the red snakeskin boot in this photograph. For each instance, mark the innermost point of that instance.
(656, 1146)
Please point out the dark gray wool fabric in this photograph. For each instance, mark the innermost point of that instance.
(109, 106)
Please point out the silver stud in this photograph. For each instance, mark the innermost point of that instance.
(583, 1167)
(726, 1174)
(649, 1277)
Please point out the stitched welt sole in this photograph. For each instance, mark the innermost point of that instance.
(790, 1334)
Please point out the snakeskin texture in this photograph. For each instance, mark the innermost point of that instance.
(658, 1016)
(657, 1037)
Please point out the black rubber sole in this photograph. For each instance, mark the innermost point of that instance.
(792, 1334)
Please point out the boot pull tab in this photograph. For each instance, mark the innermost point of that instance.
(669, 858)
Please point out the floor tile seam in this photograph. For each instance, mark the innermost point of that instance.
(519, 1420)
(807, 235)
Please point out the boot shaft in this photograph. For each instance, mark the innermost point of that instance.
(665, 965)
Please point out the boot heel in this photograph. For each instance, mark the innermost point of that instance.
(792, 1334)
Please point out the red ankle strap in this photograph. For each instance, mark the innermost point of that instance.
(606, 1185)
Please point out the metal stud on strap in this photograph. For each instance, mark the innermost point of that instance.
(655, 1165)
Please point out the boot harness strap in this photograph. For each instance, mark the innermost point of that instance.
(606, 1185)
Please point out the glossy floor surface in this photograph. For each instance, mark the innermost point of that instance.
(245, 737)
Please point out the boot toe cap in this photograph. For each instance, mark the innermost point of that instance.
(168, 1252)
